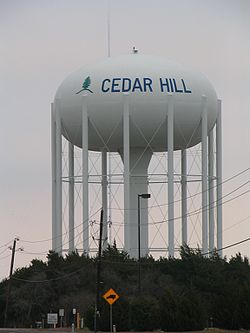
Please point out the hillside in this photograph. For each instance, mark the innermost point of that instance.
(184, 294)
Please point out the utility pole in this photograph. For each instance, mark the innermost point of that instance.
(9, 282)
(98, 274)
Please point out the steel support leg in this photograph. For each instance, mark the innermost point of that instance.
(104, 198)
(126, 163)
(211, 188)
(219, 178)
(53, 173)
(184, 195)
(170, 128)
(204, 176)
(58, 179)
(71, 198)
(85, 186)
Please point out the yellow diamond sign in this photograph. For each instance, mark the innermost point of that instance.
(111, 296)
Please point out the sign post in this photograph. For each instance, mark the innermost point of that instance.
(61, 315)
(111, 318)
(74, 320)
(111, 297)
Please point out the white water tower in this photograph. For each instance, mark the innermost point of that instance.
(137, 105)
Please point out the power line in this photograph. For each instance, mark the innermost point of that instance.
(193, 195)
(88, 237)
(2, 258)
(157, 222)
(7, 248)
(6, 244)
(53, 279)
(52, 238)
(45, 252)
(127, 262)
(228, 246)
(189, 214)
(199, 210)
(237, 223)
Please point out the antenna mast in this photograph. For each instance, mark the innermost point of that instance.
(109, 153)
(108, 31)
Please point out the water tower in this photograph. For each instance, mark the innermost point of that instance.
(137, 105)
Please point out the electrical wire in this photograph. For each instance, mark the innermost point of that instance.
(160, 205)
(44, 253)
(49, 280)
(237, 223)
(126, 263)
(157, 222)
(53, 238)
(4, 250)
(191, 196)
(6, 244)
(201, 209)
(5, 257)
(228, 246)
(154, 223)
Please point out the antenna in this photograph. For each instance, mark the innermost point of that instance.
(109, 218)
(135, 50)
(108, 31)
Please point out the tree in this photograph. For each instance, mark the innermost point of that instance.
(144, 314)
(178, 293)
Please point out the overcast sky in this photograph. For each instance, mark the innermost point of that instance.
(42, 41)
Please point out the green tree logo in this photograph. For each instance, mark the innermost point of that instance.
(85, 85)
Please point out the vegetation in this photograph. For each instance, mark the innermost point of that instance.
(186, 293)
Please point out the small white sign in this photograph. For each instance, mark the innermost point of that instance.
(74, 311)
(52, 318)
(61, 312)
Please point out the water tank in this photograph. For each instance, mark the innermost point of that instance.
(148, 80)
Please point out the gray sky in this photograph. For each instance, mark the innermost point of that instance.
(43, 41)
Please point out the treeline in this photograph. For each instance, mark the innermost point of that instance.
(188, 293)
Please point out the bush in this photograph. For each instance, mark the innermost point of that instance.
(182, 312)
(120, 314)
(144, 314)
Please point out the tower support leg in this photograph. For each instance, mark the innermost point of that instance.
(104, 198)
(110, 200)
(184, 195)
(85, 187)
(71, 198)
(58, 179)
(53, 173)
(211, 188)
(219, 178)
(126, 164)
(204, 175)
(170, 131)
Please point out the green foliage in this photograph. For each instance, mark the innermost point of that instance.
(120, 313)
(182, 311)
(178, 294)
(89, 317)
(144, 314)
(168, 311)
